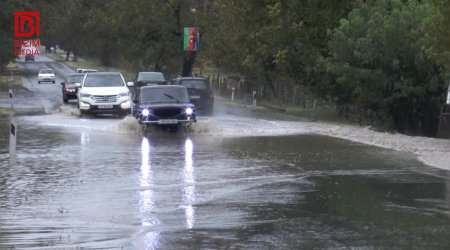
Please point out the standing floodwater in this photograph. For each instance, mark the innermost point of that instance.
(80, 183)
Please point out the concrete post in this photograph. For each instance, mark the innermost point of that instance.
(11, 99)
(13, 131)
(12, 141)
(254, 98)
(232, 93)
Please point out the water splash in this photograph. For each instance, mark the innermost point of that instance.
(70, 110)
(129, 125)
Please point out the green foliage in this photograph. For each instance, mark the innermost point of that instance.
(437, 32)
(270, 41)
(7, 9)
(140, 34)
(378, 62)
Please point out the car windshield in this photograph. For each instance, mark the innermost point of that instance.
(75, 79)
(195, 84)
(151, 77)
(163, 95)
(93, 80)
(46, 71)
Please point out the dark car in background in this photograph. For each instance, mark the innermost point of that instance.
(200, 92)
(70, 86)
(166, 106)
(29, 57)
(149, 78)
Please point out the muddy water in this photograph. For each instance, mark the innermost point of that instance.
(97, 183)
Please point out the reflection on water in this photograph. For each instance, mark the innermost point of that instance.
(189, 185)
(146, 197)
(84, 138)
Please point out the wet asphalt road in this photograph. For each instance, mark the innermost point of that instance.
(98, 184)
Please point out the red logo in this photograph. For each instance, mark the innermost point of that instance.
(26, 23)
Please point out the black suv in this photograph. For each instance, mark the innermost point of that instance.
(161, 105)
(200, 92)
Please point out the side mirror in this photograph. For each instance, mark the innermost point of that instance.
(63, 83)
(130, 84)
(77, 84)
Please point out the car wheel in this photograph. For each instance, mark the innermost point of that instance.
(53, 82)
(65, 99)
(146, 128)
(84, 114)
(39, 82)
(188, 128)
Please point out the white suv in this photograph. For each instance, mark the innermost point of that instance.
(104, 92)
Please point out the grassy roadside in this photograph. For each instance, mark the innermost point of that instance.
(8, 81)
(89, 64)
(5, 111)
(323, 114)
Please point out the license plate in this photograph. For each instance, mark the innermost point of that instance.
(168, 121)
(105, 106)
(195, 97)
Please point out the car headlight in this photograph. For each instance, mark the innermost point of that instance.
(145, 112)
(124, 94)
(189, 111)
(85, 95)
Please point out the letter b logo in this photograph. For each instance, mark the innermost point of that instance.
(26, 23)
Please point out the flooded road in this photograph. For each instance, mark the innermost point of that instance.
(98, 183)
(239, 180)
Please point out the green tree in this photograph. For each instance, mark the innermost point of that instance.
(378, 62)
(273, 41)
(7, 9)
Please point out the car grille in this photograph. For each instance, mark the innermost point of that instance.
(105, 98)
(167, 112)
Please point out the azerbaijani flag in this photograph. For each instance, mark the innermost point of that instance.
(190, 39)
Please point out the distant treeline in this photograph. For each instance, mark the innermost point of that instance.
(386, 57)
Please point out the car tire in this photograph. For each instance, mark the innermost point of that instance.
(84, 114)
(39, 82)
(53, 82)
(65, 99)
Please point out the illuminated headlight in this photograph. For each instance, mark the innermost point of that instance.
(189, 111)
(125, 105)
(145, 112)
(124, 94)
